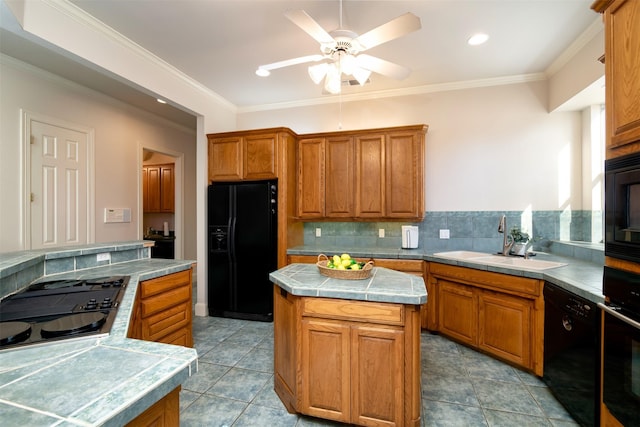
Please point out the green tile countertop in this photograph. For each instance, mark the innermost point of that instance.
(583, 278)
(102, 380)
(384, 285)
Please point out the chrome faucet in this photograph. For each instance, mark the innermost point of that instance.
(502, 228)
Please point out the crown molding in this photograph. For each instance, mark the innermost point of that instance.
(583, 39)
(416, 90)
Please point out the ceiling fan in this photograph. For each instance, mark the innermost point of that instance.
(341, 50)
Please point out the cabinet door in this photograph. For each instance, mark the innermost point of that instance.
(370, 188)
(225, 159)
(167, 188)
(458, 315)
(311, 187)
(339, 183)
(325, 369)
(505, 325)
(377, 375)
(154, 182)
(622, 47)
(260, 157)
(403, 175)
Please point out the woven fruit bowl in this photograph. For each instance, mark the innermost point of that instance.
(363, 273)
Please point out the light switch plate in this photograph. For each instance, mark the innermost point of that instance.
(444, 234)
(381, 233)
(103, 257)
(318, 232)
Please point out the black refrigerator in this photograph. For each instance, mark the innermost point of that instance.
(242, 219)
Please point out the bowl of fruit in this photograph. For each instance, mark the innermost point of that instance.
(344, 267)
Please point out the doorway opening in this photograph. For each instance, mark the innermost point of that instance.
(161, 218)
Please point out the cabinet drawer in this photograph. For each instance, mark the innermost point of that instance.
(164, 283)
(357, 311)
(167, 321)
(164, 300)
(489, 280)
(404, 265)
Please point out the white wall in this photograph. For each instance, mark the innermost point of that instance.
(492, 148)
(119, 132)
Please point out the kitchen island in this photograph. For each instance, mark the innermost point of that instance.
(348, 350)
(107, 379)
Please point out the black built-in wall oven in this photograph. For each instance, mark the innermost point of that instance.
(622, 207)
(621, 345)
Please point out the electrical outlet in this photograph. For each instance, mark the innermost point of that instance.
(318, 232)
(103, 257)
(444, 234)
(381, 233)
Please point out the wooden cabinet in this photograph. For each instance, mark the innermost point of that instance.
(162, 310)
(164, 413)
(460, 319)
(369, 174)
(370, 183)
(496, 313)
(311, 186)
(366, 365)
(350, 361)
(243, 156)
(339, 178)
(622, 74)
(158, 188)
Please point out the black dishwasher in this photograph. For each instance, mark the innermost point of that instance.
(571, 344)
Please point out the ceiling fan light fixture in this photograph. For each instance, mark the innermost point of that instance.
(347, 63)
(332, 82)
(361, 75)
(318, 71)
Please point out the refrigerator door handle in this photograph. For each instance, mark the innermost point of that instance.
(232, 238)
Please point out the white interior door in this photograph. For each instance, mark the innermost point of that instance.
(59, 185)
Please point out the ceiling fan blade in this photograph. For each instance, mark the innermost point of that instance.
(310, 26)
(383, 67)
(289, 62)
(393, 29)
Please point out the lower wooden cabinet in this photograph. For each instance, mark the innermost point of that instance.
(162, 311)
(499, 314)
(356, 362)
(164, 413)
(351, 372)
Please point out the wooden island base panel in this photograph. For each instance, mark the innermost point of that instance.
(350, 360)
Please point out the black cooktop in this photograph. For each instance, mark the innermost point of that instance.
(58, 309)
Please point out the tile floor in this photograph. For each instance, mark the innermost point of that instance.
(460, 387)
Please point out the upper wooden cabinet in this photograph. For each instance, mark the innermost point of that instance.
(158, 183)
(243, 156)
(369, 174)
(622, 74)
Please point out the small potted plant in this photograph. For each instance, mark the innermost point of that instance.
(521, 242)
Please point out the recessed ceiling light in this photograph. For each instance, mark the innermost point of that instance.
(161, 101)
(477, 39)
(262, 72)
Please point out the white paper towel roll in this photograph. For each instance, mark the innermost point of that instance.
(166, 228)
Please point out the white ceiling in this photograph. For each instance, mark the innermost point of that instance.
(220, 43)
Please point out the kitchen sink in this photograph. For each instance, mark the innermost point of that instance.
(499, 260)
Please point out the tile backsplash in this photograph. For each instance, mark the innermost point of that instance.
(471, 230)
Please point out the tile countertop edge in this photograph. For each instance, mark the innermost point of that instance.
(583, 278)
(175, 362)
